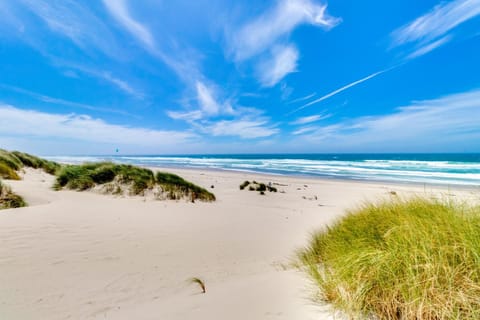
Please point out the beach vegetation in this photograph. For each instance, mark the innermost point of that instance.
(8, 173)
(258, 186)
(16, 160)
(244, 184)
(119, 178)
(413, 258)
(88, 175)
(9, 199)
(177, 187)
(10, 160)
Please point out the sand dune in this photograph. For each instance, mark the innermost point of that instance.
(72, 255)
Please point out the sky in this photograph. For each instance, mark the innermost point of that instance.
(230, 77)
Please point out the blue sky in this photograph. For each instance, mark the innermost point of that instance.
(170, 77)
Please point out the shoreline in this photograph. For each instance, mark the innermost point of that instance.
(321, 178)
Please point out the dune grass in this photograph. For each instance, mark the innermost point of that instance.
(136, 181)
(88, 175)
(8, 199)
(10, 162)
(176, 187)
(8, 173)
(402, 259)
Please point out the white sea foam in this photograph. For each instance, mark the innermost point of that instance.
(438, 172)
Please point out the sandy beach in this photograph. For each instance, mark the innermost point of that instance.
(82, 255)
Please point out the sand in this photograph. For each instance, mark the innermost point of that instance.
(81, 255)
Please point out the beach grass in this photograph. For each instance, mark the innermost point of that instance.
(8, 173)
(136, 180)
(16, 160)
(413, 258)
(8, 199)
(176, 187)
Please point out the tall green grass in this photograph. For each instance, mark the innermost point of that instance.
(8, 199)
(401, 259)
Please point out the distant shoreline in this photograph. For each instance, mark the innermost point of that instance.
(440, 173)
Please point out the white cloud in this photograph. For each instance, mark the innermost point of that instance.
(122, 85)
(206, 100)
(260, 34)
(310, 119)
(426, 30)
(282, 62)
(208, 104)
(69, 19)
(447, 122)
(119, 10)
(429, 47)
(30, 123)
(244, 128)
(304, 130)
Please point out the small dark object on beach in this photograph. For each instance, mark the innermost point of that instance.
(200, 283)
(212, 186)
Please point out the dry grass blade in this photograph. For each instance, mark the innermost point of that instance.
(199, 282)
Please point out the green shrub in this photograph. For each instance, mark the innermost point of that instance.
(403, 259)
(261, 187)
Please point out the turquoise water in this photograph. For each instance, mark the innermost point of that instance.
(446, 169)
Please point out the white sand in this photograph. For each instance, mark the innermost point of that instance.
(73, 255)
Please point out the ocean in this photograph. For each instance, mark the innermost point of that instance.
(440, 169)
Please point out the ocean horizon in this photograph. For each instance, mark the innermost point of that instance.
(439, 168)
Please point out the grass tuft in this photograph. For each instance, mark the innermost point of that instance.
(402, 259)
(8, 199)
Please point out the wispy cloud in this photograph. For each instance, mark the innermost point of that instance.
(262, 32)
(63, 102)
(208, 105)
(71, 20)
(243, 128)
(119, 9)
(430, 31)
(450, 121)
(308, 96)
(122, 85)
(429, 47)
(310, 119)
(21, 123)
(337, 91)
(274, 68)
(264, 39)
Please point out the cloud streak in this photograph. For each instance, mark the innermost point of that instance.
(337, 91)
(430, 30)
